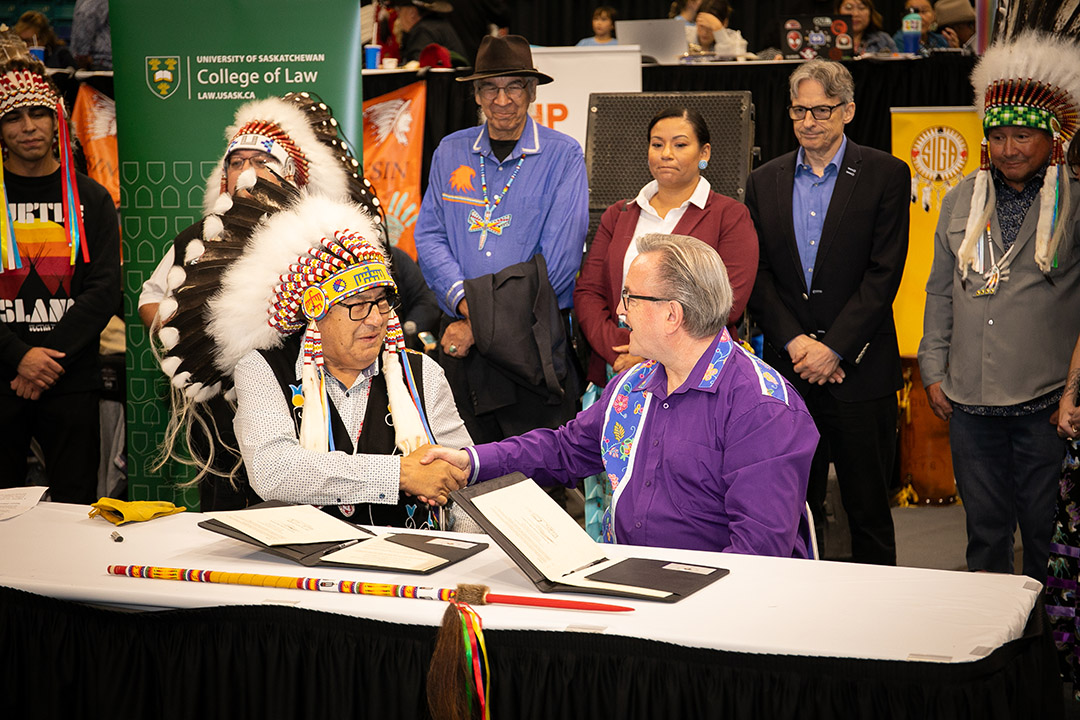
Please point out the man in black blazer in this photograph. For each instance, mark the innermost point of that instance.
(832, 223)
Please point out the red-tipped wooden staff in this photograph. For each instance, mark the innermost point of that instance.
(466, 592)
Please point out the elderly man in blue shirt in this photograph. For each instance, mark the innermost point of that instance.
(498, 195)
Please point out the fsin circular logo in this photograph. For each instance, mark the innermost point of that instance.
(939, 154)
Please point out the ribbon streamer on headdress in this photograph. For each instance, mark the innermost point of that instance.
(315, 427)
(73, 219)
(9, 248)
(410, 382)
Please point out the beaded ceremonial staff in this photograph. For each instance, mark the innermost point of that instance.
(466, 592)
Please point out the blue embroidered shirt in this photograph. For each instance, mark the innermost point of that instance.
(547, 211)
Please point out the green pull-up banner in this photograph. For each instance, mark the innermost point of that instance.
(182, 68)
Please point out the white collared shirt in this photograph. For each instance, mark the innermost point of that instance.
(649, 221)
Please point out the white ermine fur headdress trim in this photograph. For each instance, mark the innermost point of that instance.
(239, 313)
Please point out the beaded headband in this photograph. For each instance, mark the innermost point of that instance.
(1030, 103)
(340, 267)
(25, 88)
(270, 138)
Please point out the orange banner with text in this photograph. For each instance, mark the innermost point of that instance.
(941, 146)
(393, 154)
(94, 121)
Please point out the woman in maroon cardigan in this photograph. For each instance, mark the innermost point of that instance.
(677, 201)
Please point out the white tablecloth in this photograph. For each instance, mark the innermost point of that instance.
(766, 605)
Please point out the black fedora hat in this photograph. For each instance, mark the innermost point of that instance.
(510, 55)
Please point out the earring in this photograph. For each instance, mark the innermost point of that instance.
(703, 164)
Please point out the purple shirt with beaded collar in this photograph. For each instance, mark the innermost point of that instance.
(721, 468)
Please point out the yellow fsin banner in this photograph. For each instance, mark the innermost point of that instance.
(941, 146)
(393, 154)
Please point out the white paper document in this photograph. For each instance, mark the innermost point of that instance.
(16, 501)
(549, 537)
(552, 541)
(381, 552)
(290, 525)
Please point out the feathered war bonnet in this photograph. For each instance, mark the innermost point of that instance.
(299, 131)
(298, 264)
(24, 83)
(1032, 80)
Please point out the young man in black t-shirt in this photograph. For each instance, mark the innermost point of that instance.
(59, 286)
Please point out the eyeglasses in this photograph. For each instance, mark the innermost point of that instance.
(515, 91)
(626, 297)
(358, 312)
(259, 162)
(820, 112)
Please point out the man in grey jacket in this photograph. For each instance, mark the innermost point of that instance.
(1002, 300)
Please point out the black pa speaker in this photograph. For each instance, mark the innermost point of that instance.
(616, 146)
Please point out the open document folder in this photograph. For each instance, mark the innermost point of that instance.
(307, 535)
(559, 556)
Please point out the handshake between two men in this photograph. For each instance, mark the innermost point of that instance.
(431, 473)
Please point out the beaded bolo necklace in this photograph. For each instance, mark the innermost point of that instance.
(483, 224)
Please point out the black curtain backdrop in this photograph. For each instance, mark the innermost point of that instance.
(71, 661)
(879, 85)
(564, 22)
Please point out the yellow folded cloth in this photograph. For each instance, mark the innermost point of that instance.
(119, 512)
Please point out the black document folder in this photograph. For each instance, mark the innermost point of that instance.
(311, 554)
(676, 578)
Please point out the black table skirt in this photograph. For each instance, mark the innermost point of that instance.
(69, 660)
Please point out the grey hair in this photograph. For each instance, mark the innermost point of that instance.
(834, 78)
(692, 274)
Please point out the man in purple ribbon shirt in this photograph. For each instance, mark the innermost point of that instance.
(706, 447)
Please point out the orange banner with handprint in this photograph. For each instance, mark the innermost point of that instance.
(393, 154)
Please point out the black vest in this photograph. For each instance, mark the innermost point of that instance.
(376, 437)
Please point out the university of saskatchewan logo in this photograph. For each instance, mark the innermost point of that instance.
(163, 74)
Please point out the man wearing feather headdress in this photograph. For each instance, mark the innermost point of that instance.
(330, 405)
(275, 146)
(59, 285)
(292, 140)
(1002, 298)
